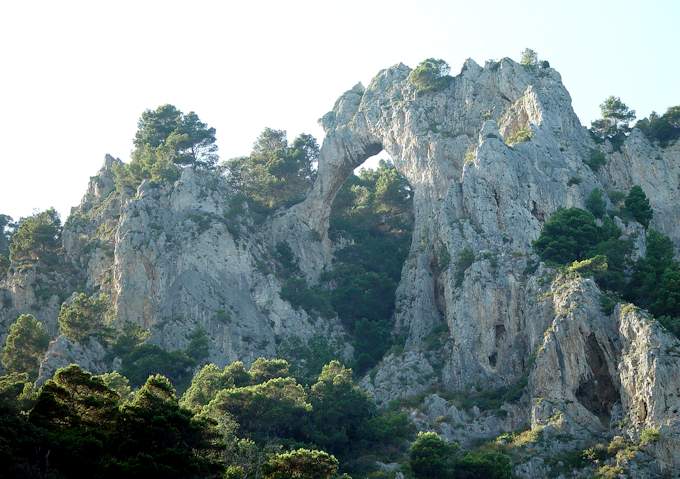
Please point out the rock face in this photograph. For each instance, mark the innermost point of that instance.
(489, 157)
(175, 258)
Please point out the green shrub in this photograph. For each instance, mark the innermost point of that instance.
(432, 457)
(595, 203)
(649, 436)
(25, 346)
(529, 57)
(568, 235)
(37, 237)
(637, 205)
(430, 75)
(664, 129)
(465, 259)
(301, 296)
(596, 160)
(484, 465)
(150, 359)
(301, 464)
(520, 136)
(83, 317)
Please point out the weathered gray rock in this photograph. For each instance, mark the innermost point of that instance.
(90, 355)
(489, 157)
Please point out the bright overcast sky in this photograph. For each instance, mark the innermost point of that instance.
(75, 75)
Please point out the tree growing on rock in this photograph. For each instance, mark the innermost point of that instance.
(430, 75)
(529, 57)
(637, 205)
(25, 346)
(83, 316)
(569, 235)
(37, 237)
(167, 139)
(276, 173)
(615, 121)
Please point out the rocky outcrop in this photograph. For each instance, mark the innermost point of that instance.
(489, 157)
(61, 352)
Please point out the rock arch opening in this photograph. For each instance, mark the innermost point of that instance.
(370, 227)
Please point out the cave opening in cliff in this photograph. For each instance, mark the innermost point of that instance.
(371, 226)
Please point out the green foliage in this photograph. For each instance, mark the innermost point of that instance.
(149, 359)
(83, 316)
(596, 160)
(90, 431)
(654, 281)
(529, 57)
(286, 257)
(433, 458)
(589, 267)
(6, 227)
(667, 298)
(300, 295)
(373, 213)
(37, 237)
(484, 465)
(664, 129)
(276, 174)
(520, 136)
(117, 383)
(614, 124)
(340, 410)
(262, 370)
(301, 464)
(308, 358)
(166, 138)
(25, 346)
(274, 408)
(637, 205)
(649, 436)
(209, 380)
(568, 235)
(198, 348)
(430, 75)
(595, 203)
(465, 259)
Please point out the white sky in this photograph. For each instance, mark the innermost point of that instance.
(75, 75)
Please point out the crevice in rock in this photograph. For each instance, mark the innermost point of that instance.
(598, 393)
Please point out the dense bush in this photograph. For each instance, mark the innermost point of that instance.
(569, 235)
(432, 457)
(637, 205)
(614, 124)
(83, 316)
(301, 464)
(25, 346)
(276, 173)
(596, 160)
(430, 75)
(664, 129)
(166, 139)
(36, 237)
(595, 203)
(149, 359)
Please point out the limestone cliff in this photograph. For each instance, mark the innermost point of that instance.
(489, 158)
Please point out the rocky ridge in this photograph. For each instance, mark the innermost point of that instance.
(176, 257)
